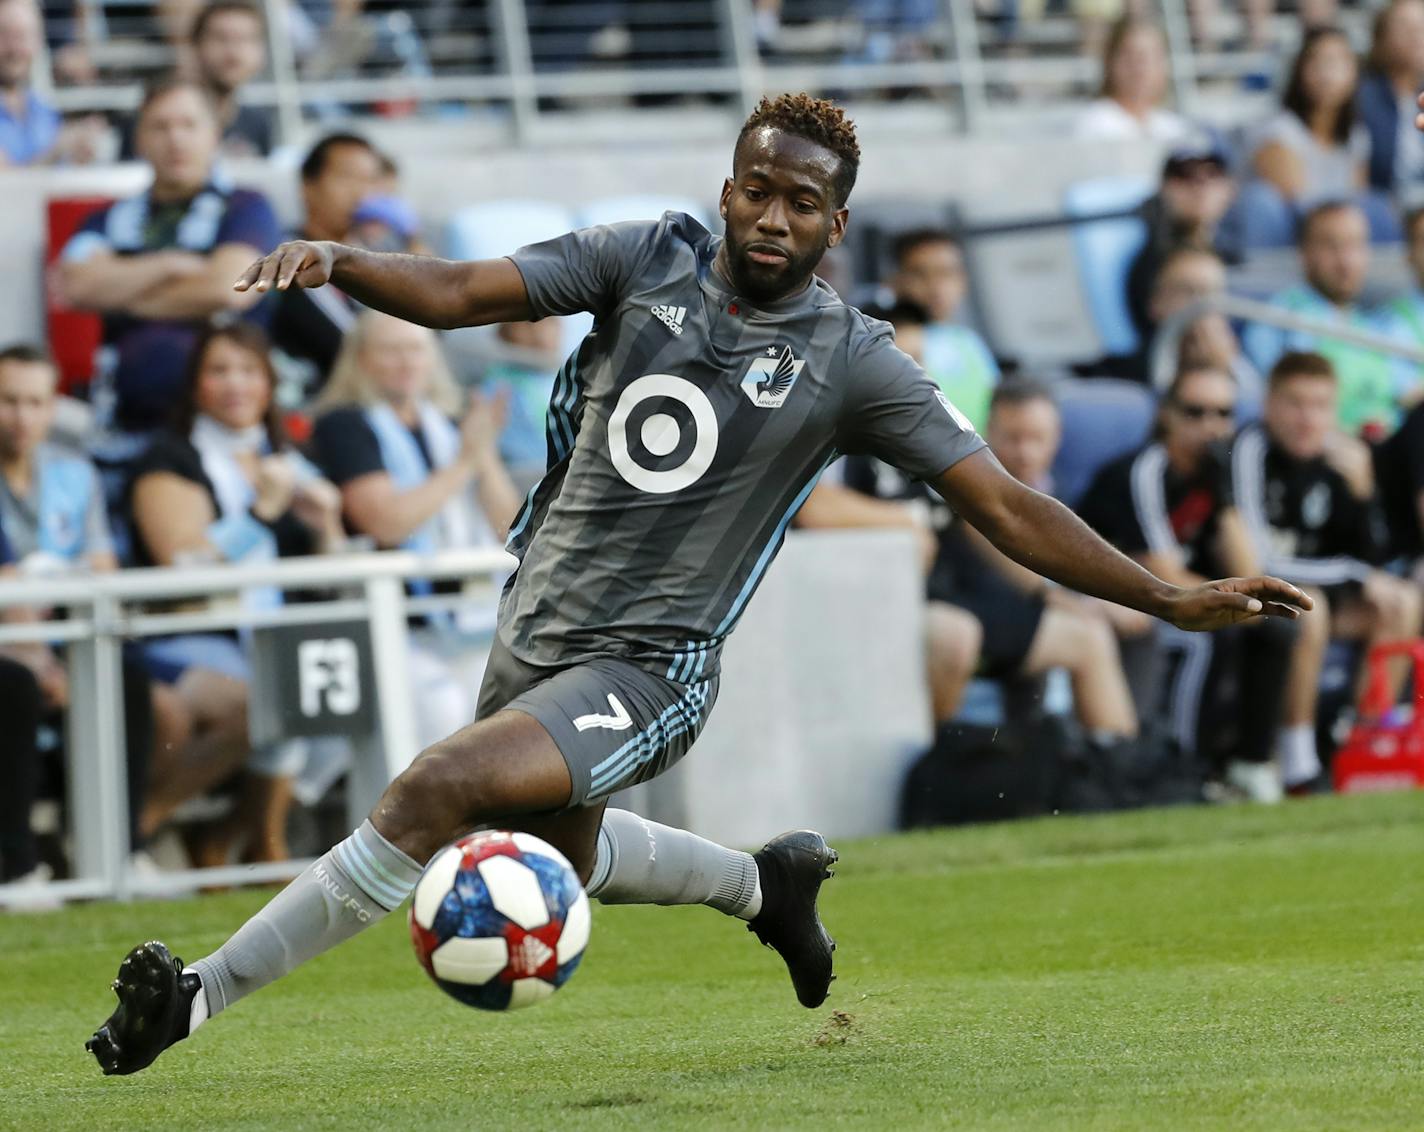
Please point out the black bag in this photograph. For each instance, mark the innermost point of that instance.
(977, 774)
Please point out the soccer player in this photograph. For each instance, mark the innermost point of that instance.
(684, 433)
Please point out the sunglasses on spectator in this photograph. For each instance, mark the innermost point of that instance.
(1201, 412)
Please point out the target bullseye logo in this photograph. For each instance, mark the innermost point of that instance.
(662, 434)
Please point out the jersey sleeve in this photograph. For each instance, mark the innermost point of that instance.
(249, 220)
(344, 447)
(588, 270)
(895, 411)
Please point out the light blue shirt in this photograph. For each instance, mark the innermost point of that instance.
(29, 137)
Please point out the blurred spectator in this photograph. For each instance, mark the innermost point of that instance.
(410, 478)
(523, 378)
(1386, 98)
(1186, 211)
(930, 276)
(339, 172)
(1306, 494)
(1135, 75)
(1399, 474)
(1335, 258)
(53, 520)
(1189, 275)
(229, 50)
(1170, 506)
(1027, 628)
(223, 485)
(158, 265)
(1314, 149)
(20, 863)
(1402, 317)
(385, 224)
(31, 130)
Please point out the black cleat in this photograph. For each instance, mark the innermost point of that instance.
(155, 1004)
(792, 868)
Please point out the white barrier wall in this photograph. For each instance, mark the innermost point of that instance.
(823, 702)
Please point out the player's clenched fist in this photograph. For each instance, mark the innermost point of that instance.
(303, 263)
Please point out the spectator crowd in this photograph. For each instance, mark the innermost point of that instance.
(228, 426)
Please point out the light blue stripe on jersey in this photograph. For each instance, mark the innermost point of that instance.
(522, 519)
(561, 403)
(366, 872)
(770, 549)
(673, 721)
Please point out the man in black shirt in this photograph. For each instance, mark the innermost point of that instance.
(1170, 506)
(1307, 499)
(339, 173)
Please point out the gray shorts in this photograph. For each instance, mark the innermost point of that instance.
(615, 724)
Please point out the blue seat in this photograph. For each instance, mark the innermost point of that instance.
(613, 210)
(497, 227)
(1106, 249)
(1103, 418)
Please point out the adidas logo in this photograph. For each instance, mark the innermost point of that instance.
(671, 317)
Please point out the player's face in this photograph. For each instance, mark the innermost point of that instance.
(233, 386)
(1024, 436)
(398, 357)
(1336, 254)
(932, 275)
(178, 135)
(1300, 415)
(231, 51)
(1198, 415)
(19, 42)
(781, 214)
(26, 406)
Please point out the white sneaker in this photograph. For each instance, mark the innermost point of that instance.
(1260, 782)
(31, 892)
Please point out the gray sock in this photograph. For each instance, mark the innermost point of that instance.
(641, 862)
(357, 883)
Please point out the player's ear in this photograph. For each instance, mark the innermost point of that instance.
(725, 197)
(839, 219)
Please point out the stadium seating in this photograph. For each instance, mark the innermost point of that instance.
(1106, 248)
(1102, 420)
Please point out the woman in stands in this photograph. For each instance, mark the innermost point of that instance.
(223, 485)
(1313, 149)
(1387, 95)
(411, 478)
(1129, 106)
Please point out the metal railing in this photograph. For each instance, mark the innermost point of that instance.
(527, 60)
(1167, 345)
(105, 610)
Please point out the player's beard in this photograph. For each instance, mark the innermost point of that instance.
(763, 282)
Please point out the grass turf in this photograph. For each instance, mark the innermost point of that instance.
(1202, 969)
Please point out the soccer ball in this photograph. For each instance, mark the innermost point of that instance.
(499, 920)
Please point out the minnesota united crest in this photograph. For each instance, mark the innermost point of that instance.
(769, 380)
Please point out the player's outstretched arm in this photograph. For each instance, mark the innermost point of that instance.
(1042, 534)
(433, 292)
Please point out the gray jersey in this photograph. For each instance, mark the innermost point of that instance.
(684, 433)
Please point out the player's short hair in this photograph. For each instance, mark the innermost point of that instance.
(314, 164)
(915, 238)
(27, 353)
(165, 85)
(902, 312)
(1324, 208)
(219, 7)
(817, 120)
(1300, 363)
(1021, 391)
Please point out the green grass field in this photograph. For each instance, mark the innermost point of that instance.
(1232, 969)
